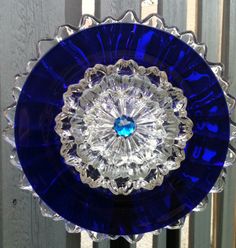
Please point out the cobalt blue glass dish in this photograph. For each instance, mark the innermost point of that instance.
(59, 185)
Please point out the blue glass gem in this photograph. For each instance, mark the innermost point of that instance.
(124, 126)
(59, 185)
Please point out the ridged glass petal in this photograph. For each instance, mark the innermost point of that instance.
(202, 205)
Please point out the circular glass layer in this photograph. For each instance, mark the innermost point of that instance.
(124, 130)
(60, 186)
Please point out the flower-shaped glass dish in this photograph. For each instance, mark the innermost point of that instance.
(59, 184)
(123, 127)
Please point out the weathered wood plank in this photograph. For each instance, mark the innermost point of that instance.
(146, 241)
(228, 238)
(209, 32)
(73, 12)
(184, 235)
(116, 8)
(210, 27)
(160, 240)
(103, 244)
(23, 22)
(148, 8)
(1, 127)
(200, 226)
(192, 15)
(86, 241)
(73, 240)
(174, 14)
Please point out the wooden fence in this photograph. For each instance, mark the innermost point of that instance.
(22, 24)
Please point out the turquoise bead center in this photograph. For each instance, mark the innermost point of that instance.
(124, 126)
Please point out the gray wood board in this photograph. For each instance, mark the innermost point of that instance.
(208, 20)
(116, 8)
(228, 235)
(174, 14)
(23, 23)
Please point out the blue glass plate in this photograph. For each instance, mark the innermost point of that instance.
(98, 209)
